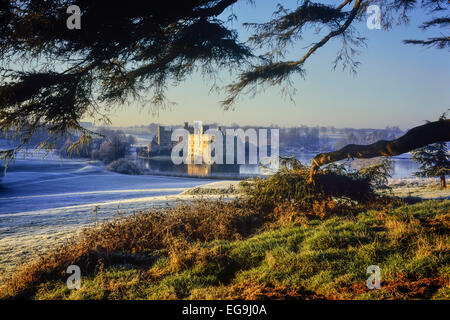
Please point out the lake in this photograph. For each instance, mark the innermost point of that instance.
(403, 167)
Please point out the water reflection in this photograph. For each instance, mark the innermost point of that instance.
(403, 167)
(165, 166)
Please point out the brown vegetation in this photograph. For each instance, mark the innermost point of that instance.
(203, 249)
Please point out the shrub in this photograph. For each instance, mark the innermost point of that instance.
(124, 166)
(378, 173)
(292, 186)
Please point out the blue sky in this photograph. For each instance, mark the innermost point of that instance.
(396, 84)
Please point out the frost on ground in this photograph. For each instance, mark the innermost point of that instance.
(45, 201)
(227, 187)
(23, 236)
(419, 188)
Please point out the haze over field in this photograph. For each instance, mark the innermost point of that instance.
(44, 201)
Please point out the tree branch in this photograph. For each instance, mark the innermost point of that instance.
(343, 4)
(334, 33)
(216, 10)
(275, 72)
(440, 43)
(417, 137)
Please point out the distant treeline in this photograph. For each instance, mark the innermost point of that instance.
(367, 136)
(118, 142)
(14, 138)
(330, 138)
(114, 144)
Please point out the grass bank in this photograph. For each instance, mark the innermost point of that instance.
(309, 259)
(283, 240)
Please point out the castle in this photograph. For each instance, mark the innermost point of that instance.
(162, 144)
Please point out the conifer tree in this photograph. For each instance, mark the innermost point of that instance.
(434, 160)
(52, 76)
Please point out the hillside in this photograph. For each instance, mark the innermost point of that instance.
(255, 248)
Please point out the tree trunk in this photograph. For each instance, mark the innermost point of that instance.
(443, 182)
(417, 137)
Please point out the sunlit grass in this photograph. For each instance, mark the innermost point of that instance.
(312, 247)
(319, 259)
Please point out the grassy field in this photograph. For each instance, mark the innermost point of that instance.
(255, 248)
(315, 259)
